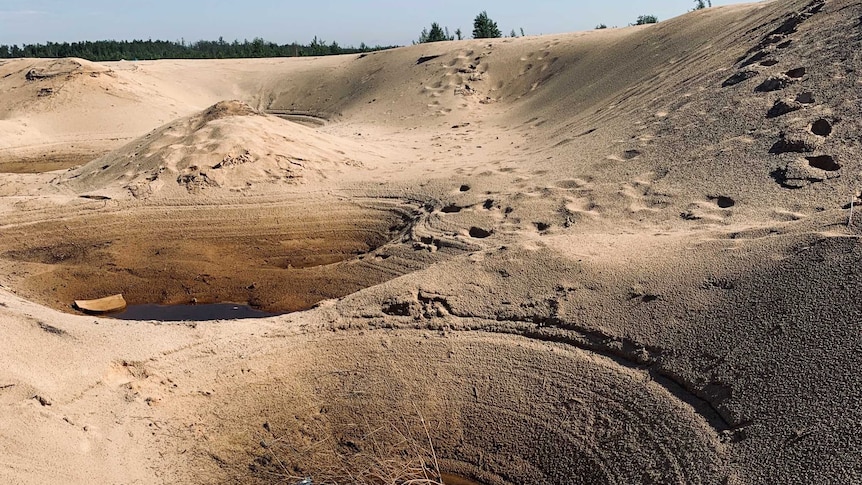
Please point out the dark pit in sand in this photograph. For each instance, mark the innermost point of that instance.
(346, 407)
(278, 257)
(190, 313)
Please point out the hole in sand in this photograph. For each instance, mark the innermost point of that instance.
(464, 188)
(451, 209)
(769, 63)
(487, 409)
(738, 78)
(723, 202)
(824, 162)
(631, 154)
(773, 83)
(805, 98)
(821, 127)
(756, 57)
(790, 145)
(796, 73)
(479, 233)
(278, 259)
(781, 108)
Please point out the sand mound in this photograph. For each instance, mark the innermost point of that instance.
(70, 66)
(224, 109)
(227, 146)
(47, 111)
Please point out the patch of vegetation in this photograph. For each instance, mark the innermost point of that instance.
(398, 451)
(646, 19)
(437, 34)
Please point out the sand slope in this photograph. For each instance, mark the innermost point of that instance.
(227, 146)
(621, 256)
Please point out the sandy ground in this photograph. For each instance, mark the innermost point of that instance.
(619, 256)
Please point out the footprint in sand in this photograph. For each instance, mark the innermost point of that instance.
(576, 207)
(705, 211)
(722, 201)
(640, 195)
(774, 83)
(576, 183)
(631, 154)
(796, 73)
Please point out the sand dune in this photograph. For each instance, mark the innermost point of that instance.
(227, 146)
(620, 256)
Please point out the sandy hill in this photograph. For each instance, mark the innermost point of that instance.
(621, 256)
(227, 146)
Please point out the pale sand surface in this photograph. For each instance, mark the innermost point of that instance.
(619, 256)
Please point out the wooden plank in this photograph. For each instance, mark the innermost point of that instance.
(108, 304)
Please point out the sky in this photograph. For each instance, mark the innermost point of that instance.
(375, 22)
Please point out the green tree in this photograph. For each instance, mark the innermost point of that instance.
(485, 28)
(601, 26)
(701, 4)
(647, 19)
(459, 34)
(436, 34)
(112, 50)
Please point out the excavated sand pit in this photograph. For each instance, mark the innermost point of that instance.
(491, 408)
(277, 258)
(618, 256)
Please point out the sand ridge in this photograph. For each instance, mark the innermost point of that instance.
(619, 256)
(220, 147)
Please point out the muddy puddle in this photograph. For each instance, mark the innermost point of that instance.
(278, 258)
(190, 313)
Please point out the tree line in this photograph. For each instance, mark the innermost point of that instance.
(115, 50)
(485, 28)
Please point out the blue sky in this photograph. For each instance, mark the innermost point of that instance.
(347, 22)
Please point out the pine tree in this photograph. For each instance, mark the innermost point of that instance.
(647, 19)
(485, 28)
(436, 34)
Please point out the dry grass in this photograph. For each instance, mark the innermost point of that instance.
(390, 453)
